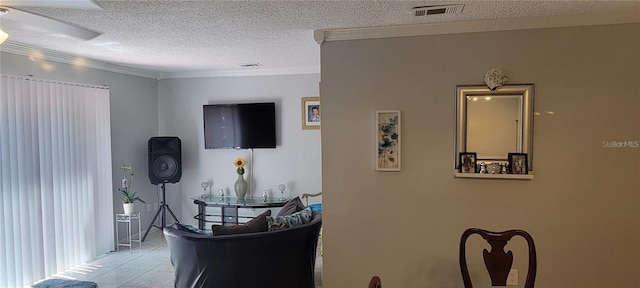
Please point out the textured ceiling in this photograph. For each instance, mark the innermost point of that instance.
(187, 36)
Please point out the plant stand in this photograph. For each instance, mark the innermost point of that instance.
(127, 219)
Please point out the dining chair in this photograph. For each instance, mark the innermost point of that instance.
(306, 197)
(497, 261)
(375, 282)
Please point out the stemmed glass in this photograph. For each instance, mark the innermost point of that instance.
(282, 187)
(204, 186)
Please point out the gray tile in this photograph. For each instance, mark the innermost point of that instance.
(119, 276)
(165, 266)
(152, 279)
(114, 259)
(144, 262)
(87, 272)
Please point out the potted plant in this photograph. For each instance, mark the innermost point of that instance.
(129, 197)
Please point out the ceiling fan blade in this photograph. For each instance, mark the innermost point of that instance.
(79, 4)
(50, 24)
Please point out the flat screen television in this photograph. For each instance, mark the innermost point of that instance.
(247, 125)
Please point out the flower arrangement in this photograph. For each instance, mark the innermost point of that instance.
(128, 196)
(239, 163)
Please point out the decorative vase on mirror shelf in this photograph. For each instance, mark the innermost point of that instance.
(240, 187)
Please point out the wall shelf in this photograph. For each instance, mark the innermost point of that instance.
(494, 176)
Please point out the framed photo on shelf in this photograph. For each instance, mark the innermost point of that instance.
(388, 138)
(310, 113)
(518, 163)
(492, 166)
(467, 162)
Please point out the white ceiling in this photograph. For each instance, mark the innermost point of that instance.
(191, 36)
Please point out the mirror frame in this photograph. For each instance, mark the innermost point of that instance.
(526, 91)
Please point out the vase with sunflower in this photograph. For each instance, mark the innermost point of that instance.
(241, 185)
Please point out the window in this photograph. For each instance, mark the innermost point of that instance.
(55, 177)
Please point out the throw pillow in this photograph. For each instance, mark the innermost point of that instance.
(316, 207)
(287, 221)
(292, 206)
(257, 224)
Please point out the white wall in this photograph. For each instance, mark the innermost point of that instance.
(134, 115)
(296, 161)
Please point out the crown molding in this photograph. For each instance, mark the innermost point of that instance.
(51, 55)
(605, 18)
(240, 73)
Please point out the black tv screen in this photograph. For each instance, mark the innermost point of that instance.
(251, 125)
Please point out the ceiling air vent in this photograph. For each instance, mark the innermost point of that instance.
(246, 65)
(437, 9)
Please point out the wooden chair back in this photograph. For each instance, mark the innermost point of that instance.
(375, 282)
(305, 197)
(497, 261)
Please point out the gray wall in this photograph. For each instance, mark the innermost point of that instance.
(581, 208)
(296, 161)
(134, 116)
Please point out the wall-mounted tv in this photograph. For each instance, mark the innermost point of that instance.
(247, 125)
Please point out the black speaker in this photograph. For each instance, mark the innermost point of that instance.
(165, 161)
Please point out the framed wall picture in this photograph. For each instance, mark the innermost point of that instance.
(310, 113)
(388, 140)
(467, 162)
(518, 163)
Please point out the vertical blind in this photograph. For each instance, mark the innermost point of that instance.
(56, 202)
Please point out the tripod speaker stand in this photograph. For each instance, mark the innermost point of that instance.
(163, 221)
(165, 166)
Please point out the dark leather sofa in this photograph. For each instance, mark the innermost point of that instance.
(275, 259)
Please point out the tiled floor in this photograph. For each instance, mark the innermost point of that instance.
(149, 267)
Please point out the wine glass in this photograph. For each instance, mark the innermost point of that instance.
(282, 187)
(204, 186)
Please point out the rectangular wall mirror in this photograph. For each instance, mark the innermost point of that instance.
(495, 123)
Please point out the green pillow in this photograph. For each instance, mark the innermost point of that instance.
(257, 224)
(287, 221)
